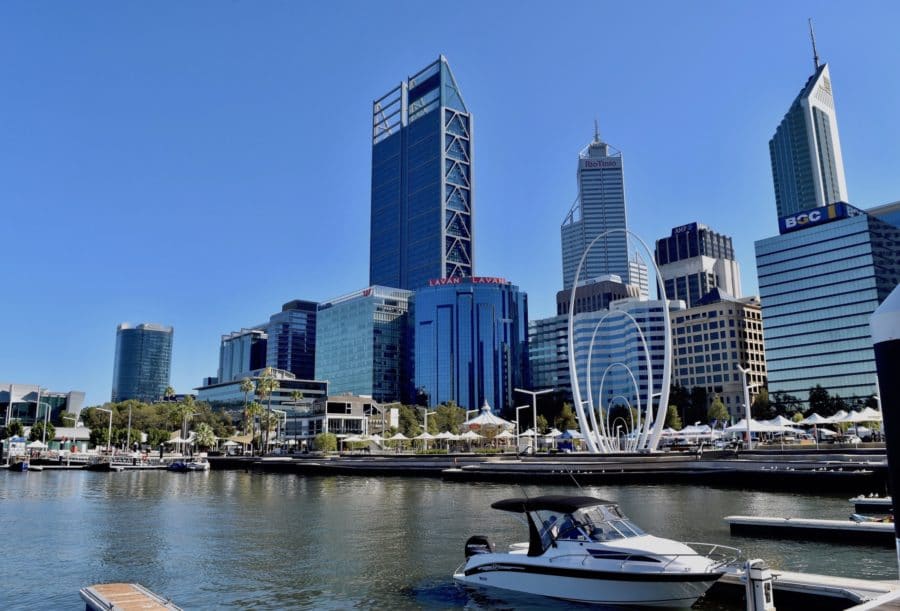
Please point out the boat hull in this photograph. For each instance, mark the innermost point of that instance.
(596, 587)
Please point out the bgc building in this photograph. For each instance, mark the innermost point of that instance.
(471, 342)
(820, 280)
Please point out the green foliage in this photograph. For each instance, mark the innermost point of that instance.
(265, 386)
(762, 408)
(673, 420)
(409, 421)
(699, 406)
(15, 429)
(169, 393)
(785, 404)
(819, 401)
(567, 420)
(157, 437)
(487, 451)
(717, 410)
(797, 417)
(543, 426)
(99, 436)
(447, 417)
(326, 442)
(206, 438)
(37, 431)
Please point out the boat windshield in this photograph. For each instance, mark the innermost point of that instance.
(606, 523)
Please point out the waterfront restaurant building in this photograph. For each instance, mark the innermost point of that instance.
(819, 281)
(28, 403)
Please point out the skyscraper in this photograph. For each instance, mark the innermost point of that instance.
(421, 223)
(807, 166)
(240, 353)
(143, 362)
(599, 207)
(291, 344)
(694, 260)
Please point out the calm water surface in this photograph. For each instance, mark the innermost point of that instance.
(231, 539)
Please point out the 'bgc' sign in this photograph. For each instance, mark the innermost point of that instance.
(808, 218)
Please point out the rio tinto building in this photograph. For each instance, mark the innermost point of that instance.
(599, 207)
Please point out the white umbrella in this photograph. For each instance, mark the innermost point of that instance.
(780, 420)
(574, 434)
(470, 436)
(554, 432)
(872, 415)
(528, 433)
(487, 418)
(230, 444)
(426, 436)
(815, 419)
(447, 435)
(505, 435)
(398, 437)
(36, 445)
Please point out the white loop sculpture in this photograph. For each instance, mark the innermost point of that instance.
(596, 434)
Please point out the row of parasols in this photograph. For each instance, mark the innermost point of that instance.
(780, 424)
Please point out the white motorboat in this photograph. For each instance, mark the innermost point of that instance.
(584, 549)
(200, 464)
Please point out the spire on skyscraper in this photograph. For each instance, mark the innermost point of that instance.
(812, 36)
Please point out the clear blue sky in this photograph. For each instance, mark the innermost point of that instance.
(199, 163)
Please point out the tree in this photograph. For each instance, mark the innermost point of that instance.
(205, 436)
(14, 429)
(717, 410)
(296, 396)
(254, 410)
(169, 394)
(762, 408)
(785, 404)
(156, 437)
(699, 408)
(325, 442)
(797, 417)
(819, 401)
(836, 404)
(542, 425)
(267, 385)
(680, 397)
(408, 421)
(247, 387)
(447, 417)
(99, 436)
(567, 420)
(672, 418)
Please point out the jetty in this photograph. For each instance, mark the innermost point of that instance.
(124, 597)
(845, 531)
(872, 504)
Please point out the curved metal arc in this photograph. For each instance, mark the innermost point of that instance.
(634, 384)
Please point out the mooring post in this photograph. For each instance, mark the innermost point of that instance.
(885, 325)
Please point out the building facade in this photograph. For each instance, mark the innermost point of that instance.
(889, 213)
(599, 207)
(143, 362)
(819, 281)
(694, 260)
(241, 352)
(228, 396)
(807, 165)
(422, 186)
(362, 344)
(711, 340)
(29, 403)
(471, 342)
(596, 295)
(291, 339)
(548, 354)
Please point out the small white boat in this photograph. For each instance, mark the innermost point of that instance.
(197, 465)
(584, 549)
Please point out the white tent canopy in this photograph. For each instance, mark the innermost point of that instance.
(758, 427)
(487, 418)
(815, 419)
(505, 435)
(554, 432)
(398, 437)
(780, 420)
(470, 436)
(426, 436)
(36, 445)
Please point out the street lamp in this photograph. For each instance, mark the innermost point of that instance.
(283, 419)
(744, 377)
(517, 421)
(109, 433)
(46, 420)
(534, 394)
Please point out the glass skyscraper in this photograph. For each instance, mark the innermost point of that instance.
(240, 353)
(291, 344)
(820, 281)
(471, 339)
(807, 166)
(421, 223)
(694, 260)
(361, 347)
(143, 362)
(600, 207)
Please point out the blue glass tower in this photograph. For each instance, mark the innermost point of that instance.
(421, 224)
(143, 362)
(291, 344)
(471, 339)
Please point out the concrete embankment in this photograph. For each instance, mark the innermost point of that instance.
(832, 472)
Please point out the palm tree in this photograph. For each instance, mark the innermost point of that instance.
(247, 387)
(267, 385)
(169, 393)
(296, 395)
(206, 438)
(254, 409)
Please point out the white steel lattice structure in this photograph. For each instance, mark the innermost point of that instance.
(596, 431)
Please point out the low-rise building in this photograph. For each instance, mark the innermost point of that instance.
(28, 403)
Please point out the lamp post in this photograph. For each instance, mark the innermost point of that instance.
(618, 436)
(46, 420)
(283, 419)
(109, 432)
(745, 374)
(534, 394)
(518, 428)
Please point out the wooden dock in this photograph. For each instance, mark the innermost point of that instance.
(844, 531)
(872, 504)
(124, 597)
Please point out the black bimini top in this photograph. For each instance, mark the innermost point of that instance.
(552, 502)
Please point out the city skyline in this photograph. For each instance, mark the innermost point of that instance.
(131, 209)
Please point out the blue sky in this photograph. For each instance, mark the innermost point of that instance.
(199, 163)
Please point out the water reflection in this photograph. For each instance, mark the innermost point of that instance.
(239, 539)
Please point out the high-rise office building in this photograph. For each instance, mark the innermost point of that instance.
(471, 342)
(694, 260)
(596, 295)
(240, 353)
(820, 280)
(362, 344)
(889, 213)
(599, 207)
(143, 362)
(421, 224)
(807, 167)
(291, 343)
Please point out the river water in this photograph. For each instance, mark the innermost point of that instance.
(232, 539)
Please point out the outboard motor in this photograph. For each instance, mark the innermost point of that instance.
(479, 544)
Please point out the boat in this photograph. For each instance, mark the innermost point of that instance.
(584, 549)
(200, 464)
(19, 466)
(179, 466)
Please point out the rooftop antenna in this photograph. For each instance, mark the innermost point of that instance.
(812, 35)
(596, 131)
